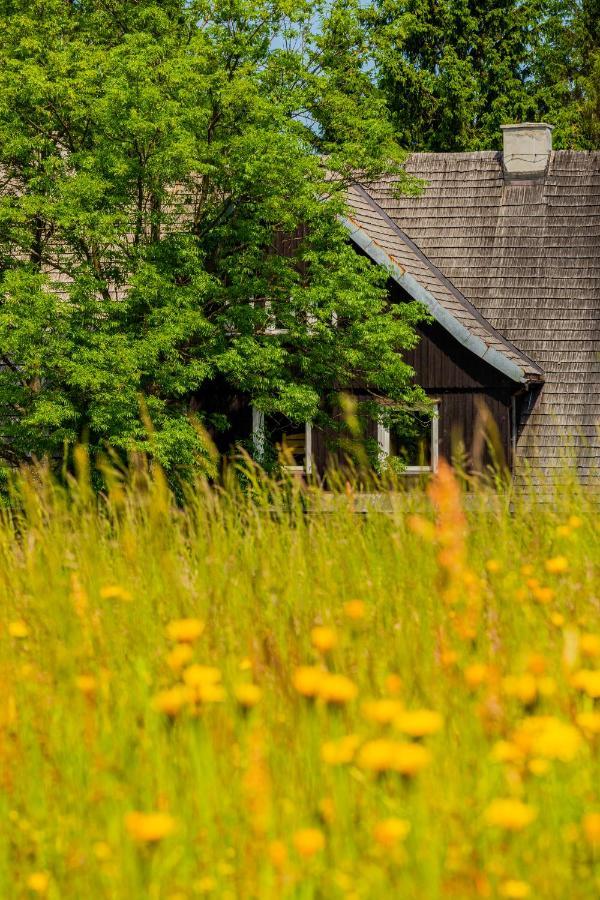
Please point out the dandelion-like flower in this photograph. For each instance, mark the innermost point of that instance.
(355, 610)
(383, 711)
(419, 722)
(115, 592)
(185, 631)
(18, 629)
(515, 889)
(307, 680)
(247, 694)
(309, 841)
(389, 832)
(556, 565)
(587, 681)
(38, 882)
(172, 701)
(510, 814)
(591, 828)
(341, 751)
(337, 689)
(149, 828)
(323, 638)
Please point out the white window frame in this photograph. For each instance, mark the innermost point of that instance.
(383, 439)
(258, 438)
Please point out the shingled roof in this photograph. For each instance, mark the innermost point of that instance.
(525, 255)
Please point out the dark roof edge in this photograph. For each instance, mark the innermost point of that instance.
(446, 281)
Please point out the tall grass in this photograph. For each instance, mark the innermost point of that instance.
(129, 772)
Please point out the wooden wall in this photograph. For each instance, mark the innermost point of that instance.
(475, 399)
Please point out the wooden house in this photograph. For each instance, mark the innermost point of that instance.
(503, 248)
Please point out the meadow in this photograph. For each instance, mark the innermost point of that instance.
(255, 694)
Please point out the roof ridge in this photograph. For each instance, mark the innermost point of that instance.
(444, 280)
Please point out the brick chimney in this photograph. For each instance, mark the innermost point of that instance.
(527, 148)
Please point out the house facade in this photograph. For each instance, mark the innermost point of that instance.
(503, 249)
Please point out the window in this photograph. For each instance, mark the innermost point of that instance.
(418, 450)
(277, 437)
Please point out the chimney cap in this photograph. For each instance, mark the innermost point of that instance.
(528, 125)
(527, 147)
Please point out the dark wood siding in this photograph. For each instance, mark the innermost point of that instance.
(442, 363)
(475, 400)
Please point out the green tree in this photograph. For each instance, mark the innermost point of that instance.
(453, 71)
(149, 152)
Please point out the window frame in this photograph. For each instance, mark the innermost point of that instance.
(383, 439)
(258, 437)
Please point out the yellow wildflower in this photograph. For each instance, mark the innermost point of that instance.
(173, 700)
(589, 644)
(307, 680)
(340, 751)
(309, 841)
(327, 809)
(493, 565)
(179, 656)
(591, 828)
(557, 619)
(523, 687)
(515, 889)
(477, 674)
(419, 722)
(393, 684)
(391, 831)
(381, 711)
(511, 814)
(278, 854)
(546, 686)
(575, 522)
(38, 882)
(588, 681)
(323, 638)
(247, 694)
(548, 737)
(557, 565)
(87, 684)
(394, 756)
(355, 610)
(337, 689)
(536, 664)
(376, 756)
(149, 828)
(208, 692)
(199, 676)
(589, 722)
(185, 631)
(18, 629)
(115, 592)
(409, 759)
(506, 752)
(542, 594)
(538, 766)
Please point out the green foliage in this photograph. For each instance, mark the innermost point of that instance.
(149, 154)
(453, 72)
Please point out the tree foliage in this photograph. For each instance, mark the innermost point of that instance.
(453, 71)
(149, 152)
